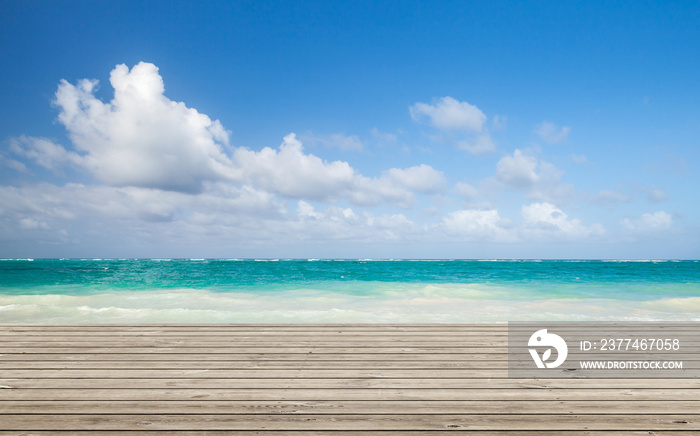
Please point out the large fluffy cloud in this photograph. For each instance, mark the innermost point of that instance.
(142, 138)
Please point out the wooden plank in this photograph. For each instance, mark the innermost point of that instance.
(258, 327)
(375, 433)
(457, 376)
(165, 363)
(351, 422)
(174, 356)
(268, 342)
(349, 394)
(344, 383)
(278, 356)
(256, 373)
(351, 407)
(58, 349)
(335, 333)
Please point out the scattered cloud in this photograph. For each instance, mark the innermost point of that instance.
(454, 117)
(335, 223)
(477, 224)
(396, 186)
(449, 114)
(517, 170)
(540, 179)
(649, 222)
(550, 134)
(546, 218)
(420, 178)
(542, 222)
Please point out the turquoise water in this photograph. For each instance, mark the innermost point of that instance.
(212, 290)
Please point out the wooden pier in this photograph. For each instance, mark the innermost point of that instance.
(310, 380)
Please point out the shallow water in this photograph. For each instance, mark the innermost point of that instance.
(308, 290)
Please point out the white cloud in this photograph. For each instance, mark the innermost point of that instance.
(141, 138)
(291, 172)
(540, 179)
(649, 222)
(222, 219)
(305, 210)
(421, 178)
(518, 170)
(453, 117)
(396, 185)
(335, 223)
(449, 114)
(44, 152)
(550, 134)
(477, 224)
(13, 164)
(541, 219)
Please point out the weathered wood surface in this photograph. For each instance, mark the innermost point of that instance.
(310, 380)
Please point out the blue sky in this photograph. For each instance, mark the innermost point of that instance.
(366, 129)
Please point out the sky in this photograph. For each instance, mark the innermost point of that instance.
(364, 129)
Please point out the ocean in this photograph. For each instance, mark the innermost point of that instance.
(345, 291)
